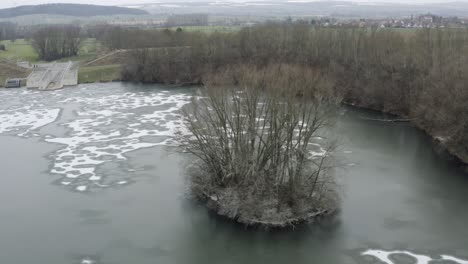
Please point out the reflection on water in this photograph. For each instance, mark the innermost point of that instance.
(398, 195)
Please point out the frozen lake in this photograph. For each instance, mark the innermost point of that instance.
(90, 175)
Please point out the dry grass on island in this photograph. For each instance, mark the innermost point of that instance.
(261, 157)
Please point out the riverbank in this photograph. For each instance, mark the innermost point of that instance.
(112, 73)
(7, 70)
(99, 74)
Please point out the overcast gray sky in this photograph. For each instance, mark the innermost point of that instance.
(12, 3)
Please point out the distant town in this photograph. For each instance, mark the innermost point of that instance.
(414, 21)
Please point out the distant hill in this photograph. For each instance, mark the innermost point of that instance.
(69, 10)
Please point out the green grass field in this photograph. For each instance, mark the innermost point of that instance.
(22, 50)
(19, 50)
(106, 73)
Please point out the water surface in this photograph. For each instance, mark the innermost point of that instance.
(89, 175)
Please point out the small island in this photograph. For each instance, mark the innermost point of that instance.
(260, 156)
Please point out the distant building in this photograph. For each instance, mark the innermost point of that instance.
(429, 19)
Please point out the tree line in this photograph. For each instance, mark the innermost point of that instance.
(8, 31)
(187, 20)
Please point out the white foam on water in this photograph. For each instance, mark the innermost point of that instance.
(81, 188)
(99, 136)
(87, 261)
(454, 259)
(385, 257)
(318, 152)
(21, 123)
(101, 126)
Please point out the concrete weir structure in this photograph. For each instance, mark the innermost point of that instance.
(53, 76)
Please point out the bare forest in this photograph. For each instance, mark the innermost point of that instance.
(420, 75)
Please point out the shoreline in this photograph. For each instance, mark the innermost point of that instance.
(213, 204)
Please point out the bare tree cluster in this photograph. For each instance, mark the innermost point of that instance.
(57, 42)
(262, 158)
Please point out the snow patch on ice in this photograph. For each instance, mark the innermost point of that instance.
(384, 256)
